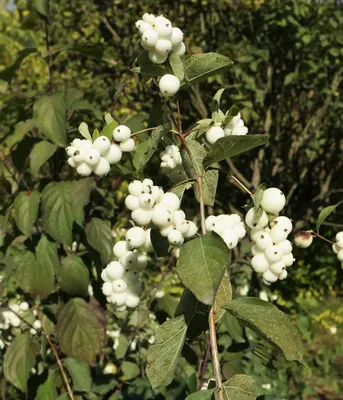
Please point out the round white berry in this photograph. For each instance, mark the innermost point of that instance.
(132, 301)
(269, 276)
(303, 239)
(101, 144)
(283, 275)
(136, 237)
(142, 261)
(340, 255)
(113, 155)
(230, 238)
(142, 26)
(132, 202)
(76, 143)
(84, 169)
(114, 270)
(149, 18)
(157, 193)
(118, 299)
(121, 132)
(285, 246)
(182, 226)
(131, 276)
(214, 133)
(339, 238)
(163, 46)
(107, 289)
(165, 231)
(277, 267)
(127, 145)
(179, 49)
(169, 85)
(119, 286)
(259, 263)
(285, 223)
(278, 234)
(86, 144)
(71, 162)
(273, 200)
(157, 58)
(78, 156)
(135, 288)
(336, 248)
(273, 254)
(102, 168)
(128, 260)
(136, 188)
(146, 200)
(142, 216)
(162, 216)
(179, 215)
(264, 241)
(120, 248)
(71, 150)
(104, 276)
(175, 238)
(256, 250)
(240, 230)
(150, 37)
(193, 229)
(210, 223)
(255, 233)
(163, 26)
(171, 201)
(288, 259)
(24, 306)
(252, 220)
(91, 157)
(176, 37)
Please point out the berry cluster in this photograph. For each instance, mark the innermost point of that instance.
(122, 286)
(87, 156)
(159, 37)
(229, 227)
(272, 252)
(10, 317)
(149, 204)
(337, 247)
(234, 127)
(171, 157)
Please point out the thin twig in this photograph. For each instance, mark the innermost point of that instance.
(321, 237)
(143, 130)
(204, 365)
(214, 351)
(239, 183)
(115, 35)
(59, 362)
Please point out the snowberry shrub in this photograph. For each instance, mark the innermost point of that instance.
(83, 276)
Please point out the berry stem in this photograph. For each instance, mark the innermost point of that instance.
(143, 130)
(239, 183)
(317, 235)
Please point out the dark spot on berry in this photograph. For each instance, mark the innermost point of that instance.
(275, 252)
(262, 236)
(285, 230)
(255, 224)
(168, 219)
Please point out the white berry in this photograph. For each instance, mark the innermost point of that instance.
(121, 132)
(259, 263)
(273, 254)
(175, 238)
(169, 85)
(127, 145)
(114, 270)
(273, 200)
(102, 168)
(113, 155)
(142, 216)
(101, 144)
(214, 133)
(132, 202)
(157, 58)
(303, 239)
(253, 221)
(120, 248)
(136, 237)
(84, 169)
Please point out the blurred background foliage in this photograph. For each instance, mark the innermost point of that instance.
(287, 81)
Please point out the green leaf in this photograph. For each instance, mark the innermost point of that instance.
(21, 129)
(240, 387)
(100, 237)
(195, 313)
(81, 330)
(86, 105)
(195, 159)
(258, 196)
(40, 154)
(57, 213)
(42, 7)
(50, 116)
(47, 390)
(209, 185)
(325, 213)
(164, 354)
(8, 73)
(146, 149)
(130, 370)
(230, 146)
(176, 65)
(80, 197)
(80, 374)
(25, 211)
(108, 129)
(74, 276)
(202, 395)
(223, 297)
(19, 359)
(208, 257)
(267, 320)
(160, 243)
(233, 111)
(216, 100)
(84, 131)
(36, 275)
(201, 66)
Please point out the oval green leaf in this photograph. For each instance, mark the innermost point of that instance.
(240, 387)
(25, 211)
(100, 237)
(40, 154)
(74, 276)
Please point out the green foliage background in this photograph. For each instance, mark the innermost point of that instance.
(287, 81)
